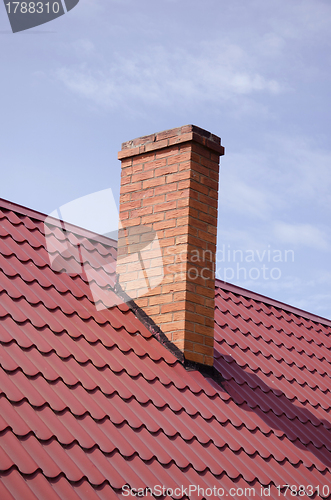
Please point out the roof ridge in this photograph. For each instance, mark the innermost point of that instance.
(230, 287)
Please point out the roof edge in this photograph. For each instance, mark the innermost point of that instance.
(34, 214)
(273, 302)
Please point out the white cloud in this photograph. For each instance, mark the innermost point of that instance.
(243, 191)
(84, 47)
(303, 18)
(213, 73)
(240, 239)
(283, 174)
(301, 234)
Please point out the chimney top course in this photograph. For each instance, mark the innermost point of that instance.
(171, 137)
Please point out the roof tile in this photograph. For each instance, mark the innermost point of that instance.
(91, 401)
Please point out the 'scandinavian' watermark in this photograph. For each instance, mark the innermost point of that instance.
(251, 264)
(230, 264)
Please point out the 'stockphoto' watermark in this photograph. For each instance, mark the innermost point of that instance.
(25, 15)
(230, 264)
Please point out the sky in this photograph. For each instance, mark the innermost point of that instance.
(255, 73)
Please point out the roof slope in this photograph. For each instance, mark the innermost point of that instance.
(91, 401)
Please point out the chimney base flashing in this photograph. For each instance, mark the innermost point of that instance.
(207, 371)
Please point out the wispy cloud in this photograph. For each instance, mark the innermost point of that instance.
(84, 47)
(303, 18)
(244, 186)
(164, 76)
(301, 235)
(285, 174)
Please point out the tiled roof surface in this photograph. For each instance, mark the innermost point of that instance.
(91, 401)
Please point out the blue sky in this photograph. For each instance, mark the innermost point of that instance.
(256, 73)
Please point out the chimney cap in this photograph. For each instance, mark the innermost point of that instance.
(171, 137)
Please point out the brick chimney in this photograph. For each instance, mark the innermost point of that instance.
(167, 244)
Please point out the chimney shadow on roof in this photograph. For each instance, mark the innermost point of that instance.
(301, 427)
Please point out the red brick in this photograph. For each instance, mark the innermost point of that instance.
(139, 195)
(125, 197)
(131, 187)
(203, 349)
(212, 230)
(185, 165)
(206, 181)
(166, 188)
(131, 222)
(168, 169)
(174, 214)
(212, 211)
(152, 146)
(153, 200)
(185, 220)
(171, 307)
(141, 212)
(178, 231)
(126, 171)
(209, 219)
(141, 140)
(141, 176)
(175, 195)
(163, 207)
(209, 360)
(151, 310)
(184, 184)
(199, 188)
(200, 169)
(184, 202)
(173, 287)
(143, 158)
(174, 326)
(153, 182)
(164, 224)
(130, 205)
(126, 162)
(179, 158)
(207, 236)
(208, 200)
(180, 176)
(137, 168)
(194, 356)
(154, 164)
(126, 180)
(159, 299)
(167, 242)
(162, 318)
(166, 152)
(167, 133)
(201, 150)
(149, 219)
(210, 164)
(180, 296)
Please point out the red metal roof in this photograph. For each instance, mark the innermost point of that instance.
(91, 401)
